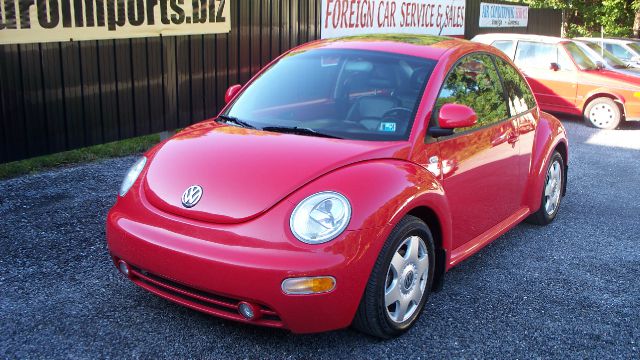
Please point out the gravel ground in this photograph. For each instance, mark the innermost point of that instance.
(567, 290)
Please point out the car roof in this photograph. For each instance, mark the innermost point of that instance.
(424, 46)
(609, 40)
(512, 36)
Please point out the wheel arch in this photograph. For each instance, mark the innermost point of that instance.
(617, 98)
(430, 218)
(550, 136)
(563, 150)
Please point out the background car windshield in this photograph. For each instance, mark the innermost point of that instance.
(635, 47)
(349, 94)
(613, 61)
(581, 59)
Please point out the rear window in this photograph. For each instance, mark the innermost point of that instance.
(505, 45)
(535, 55)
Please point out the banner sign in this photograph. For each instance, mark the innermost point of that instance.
(359, 17)
(497, 15)
(29, 21)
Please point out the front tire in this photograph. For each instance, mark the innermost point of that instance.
(551, 192)
(603, 113)
(400, 282)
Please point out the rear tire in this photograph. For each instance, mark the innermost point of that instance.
(603, 113)
(551, 192)
(400, 282)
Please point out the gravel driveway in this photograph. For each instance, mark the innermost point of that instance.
(571, 289)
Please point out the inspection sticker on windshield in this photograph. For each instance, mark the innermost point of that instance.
(388, 127)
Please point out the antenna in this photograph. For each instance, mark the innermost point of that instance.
(451, 8)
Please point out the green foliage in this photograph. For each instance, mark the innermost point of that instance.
(585, 18)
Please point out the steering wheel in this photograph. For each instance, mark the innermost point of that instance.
(397, 113)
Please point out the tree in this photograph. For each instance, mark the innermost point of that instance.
(588, 17)
(636, 21)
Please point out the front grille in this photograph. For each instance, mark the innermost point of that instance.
(206, 302)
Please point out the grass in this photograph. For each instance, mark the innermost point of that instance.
(114, 149)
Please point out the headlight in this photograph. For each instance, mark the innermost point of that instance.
(320, 217)
(132, 175)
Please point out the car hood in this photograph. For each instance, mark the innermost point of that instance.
(245, 172)
(613, 80)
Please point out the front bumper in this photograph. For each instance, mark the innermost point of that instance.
(212, 268)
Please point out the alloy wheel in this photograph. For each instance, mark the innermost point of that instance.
(406, 279)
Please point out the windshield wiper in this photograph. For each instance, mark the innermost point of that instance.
(234, 120)
(299, 131)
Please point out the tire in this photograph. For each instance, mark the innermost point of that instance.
(603, 113)
(407, 280)
(551, 192)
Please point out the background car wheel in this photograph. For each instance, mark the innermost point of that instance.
(400, 282)
(551, 192)
(603, 113)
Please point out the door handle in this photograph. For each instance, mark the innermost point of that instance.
(506, 137)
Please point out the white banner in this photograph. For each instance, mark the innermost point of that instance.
(29, 21)
(359, 17)
(497, 15)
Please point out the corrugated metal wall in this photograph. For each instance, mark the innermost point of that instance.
(541, 21)
(61, 96)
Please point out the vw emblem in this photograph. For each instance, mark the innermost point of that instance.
(191, 196)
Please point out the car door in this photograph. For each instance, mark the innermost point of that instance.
(480, 172)
(552, 78)
(522, 105)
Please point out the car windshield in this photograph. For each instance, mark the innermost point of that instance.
(580, 58)
(635, 47)
(612, 61)
(349, 94)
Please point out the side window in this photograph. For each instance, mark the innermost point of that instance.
(619, 51)
(535, 55)
(474, 82)
(505, 45)
(520, 97)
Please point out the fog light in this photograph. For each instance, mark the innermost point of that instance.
(249, 311)
(308, 285)
(123, 267)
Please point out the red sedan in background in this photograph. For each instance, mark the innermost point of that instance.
(340, 184)
(564, 79)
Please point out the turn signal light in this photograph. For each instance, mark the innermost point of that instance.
(308, 285)
(636, 94)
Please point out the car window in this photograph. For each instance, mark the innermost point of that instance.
(350, 94)
(611, 59)
(535, 55)
(619, 51)
(474, 82)
(505, 45)
(579, 57)
(635, 47)
(520, 97)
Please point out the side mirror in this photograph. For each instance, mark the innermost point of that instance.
(600, 65)
(453, 116)
(554, 66)
(231, 93)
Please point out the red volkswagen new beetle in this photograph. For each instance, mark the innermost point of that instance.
(339, 185)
